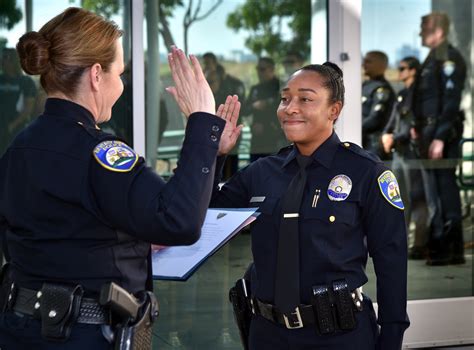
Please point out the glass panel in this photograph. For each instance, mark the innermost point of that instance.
(197, 314)
(437, 193)
(236, 60)
(21, 96)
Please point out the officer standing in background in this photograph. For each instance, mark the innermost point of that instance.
(223, 85)
(439, 128)
(397, 141)
(324, 206)
(377, 101)
(263, 99)
(80, 207)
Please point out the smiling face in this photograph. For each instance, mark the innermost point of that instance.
(306, 113)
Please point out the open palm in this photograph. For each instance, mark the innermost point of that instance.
(230, 112)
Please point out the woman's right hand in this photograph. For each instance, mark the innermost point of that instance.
(191, 91)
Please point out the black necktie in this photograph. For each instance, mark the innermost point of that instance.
(287, 281)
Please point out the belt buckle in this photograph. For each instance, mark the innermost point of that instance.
(294, 324)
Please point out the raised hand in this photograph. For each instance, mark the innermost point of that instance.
(191, 91)
(230, 112)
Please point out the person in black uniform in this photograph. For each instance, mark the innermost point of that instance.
(312, 238)
(439, 128)
(377, 101)
(396, 140)
(17, 98)
(79, 206)
(223, 85)
(267, 136)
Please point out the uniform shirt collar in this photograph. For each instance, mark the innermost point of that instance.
(69, 109)
(323, 155)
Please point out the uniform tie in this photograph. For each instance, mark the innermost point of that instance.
(287, 282)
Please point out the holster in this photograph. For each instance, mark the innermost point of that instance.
(58, 309)
(242, 304)
(7, 289)
(137, 335)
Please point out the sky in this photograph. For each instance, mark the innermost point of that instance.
(385, 25)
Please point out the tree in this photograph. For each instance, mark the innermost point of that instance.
(265, 20)
(9, 14)
(193, 14)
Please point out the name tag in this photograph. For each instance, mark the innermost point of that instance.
(257, 199)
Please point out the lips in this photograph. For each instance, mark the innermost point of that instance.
(291, 122)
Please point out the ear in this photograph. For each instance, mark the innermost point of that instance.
(95, 76)
(335, 110)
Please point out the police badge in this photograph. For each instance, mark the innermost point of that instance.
(390, 190)
(339, 188)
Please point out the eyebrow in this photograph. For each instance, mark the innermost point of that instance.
(302, 89)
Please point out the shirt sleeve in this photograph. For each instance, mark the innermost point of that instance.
(141, 203)
(452, 77)
(387, 245)
(235, 192)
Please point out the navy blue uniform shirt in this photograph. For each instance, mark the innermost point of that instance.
(335, 237)
(438, 92)
(68, 218)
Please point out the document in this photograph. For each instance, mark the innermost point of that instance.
(220, 225)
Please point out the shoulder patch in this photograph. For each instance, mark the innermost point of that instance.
(359, 151)
(115, 156)
(390, 190)
(382, 93)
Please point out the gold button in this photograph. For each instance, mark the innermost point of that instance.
(347, 144)
(332, 218)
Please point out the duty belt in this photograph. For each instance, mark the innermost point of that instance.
(28, 302)
(304, 315)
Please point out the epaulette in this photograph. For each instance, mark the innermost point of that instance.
(96, 132)
(360, 151)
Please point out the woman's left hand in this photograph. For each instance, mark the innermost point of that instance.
(230, 112)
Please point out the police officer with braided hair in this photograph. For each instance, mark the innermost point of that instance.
(439, 127)
(324, 205)
(80, 207)
(377, 101)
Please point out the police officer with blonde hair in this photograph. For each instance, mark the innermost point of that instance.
(80, 207)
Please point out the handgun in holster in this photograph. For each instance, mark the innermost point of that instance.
(133, 316)
(240, 297)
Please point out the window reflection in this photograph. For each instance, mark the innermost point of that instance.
(421, 139)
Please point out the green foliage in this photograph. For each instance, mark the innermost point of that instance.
(265, 19)
(9, 14)
(105, 8)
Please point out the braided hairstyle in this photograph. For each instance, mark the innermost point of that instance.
(332, 79)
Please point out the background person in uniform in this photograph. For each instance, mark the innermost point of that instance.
(267, 136)
(78, 205)
(315, 235)
(223, 85)
(439, 127)
(396, 140)
(292, 61)
(17, 97)
(377, 101)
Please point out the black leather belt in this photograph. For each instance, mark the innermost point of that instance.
(302, 317)
(28, 301)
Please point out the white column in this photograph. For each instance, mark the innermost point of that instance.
(344, 50)
(138, 78)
